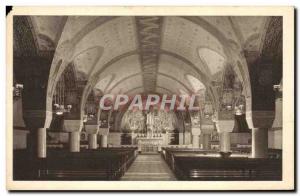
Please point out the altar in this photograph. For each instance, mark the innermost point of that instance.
(149, 145)
(150, 130)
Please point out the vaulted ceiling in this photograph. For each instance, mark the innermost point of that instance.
(150, 54)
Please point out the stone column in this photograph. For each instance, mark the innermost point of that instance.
(276, 131)
(224, 128)
(206, 141)
(37, 121)
(259, 143)
(187, 138)
(92, 130)
(92, 141)
(74, 127)
(41, 142)
(104, 141)
(196, 137)
(224, 141)
(74, 139)
(104, 136)
(207, 129)
(259, 122)
(167, 138)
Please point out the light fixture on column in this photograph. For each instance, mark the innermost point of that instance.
(103, 123)
(208, 110)
(17, 91)
(240, 105)
(84, 119)
(277, 123)
(227, 99)
(61, 109)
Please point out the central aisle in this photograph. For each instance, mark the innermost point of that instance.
(149, 167)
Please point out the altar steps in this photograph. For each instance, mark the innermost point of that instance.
(149, 167)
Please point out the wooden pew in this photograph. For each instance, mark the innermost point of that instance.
(196, 164)
(214, 168)
(100, 164)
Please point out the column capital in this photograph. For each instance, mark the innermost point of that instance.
(37, 118)
(224, 125)
(91, 129)
(260, 119)
(196, 131)
(207, 128)
(73, 125)
(103, 131)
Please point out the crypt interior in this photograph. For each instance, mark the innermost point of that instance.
(64, 65)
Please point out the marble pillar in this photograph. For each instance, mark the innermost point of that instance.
(260, 122)
(92, 141)
(74, 141)
(195, 141)
(74, 127)
(224, 128)
(224, 141)
(196, 137)
(259, 143)
(206, 141)
(104, 141)
(41, 143)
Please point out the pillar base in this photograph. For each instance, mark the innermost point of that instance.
(225, 154)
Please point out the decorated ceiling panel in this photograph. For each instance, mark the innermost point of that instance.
(135, 90)
(116, 37)
(104, 82)
(169, 83)
(195, 83)
(162, 90)
(214, 61)
(123, 69)
(252, 29)
(223, 25)
(47, 29)
(75, 24)
(152, 53)
(184, 38)
(173, 67)
(85, 60)
(129, 84)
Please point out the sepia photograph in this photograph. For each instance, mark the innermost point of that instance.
(150, 98)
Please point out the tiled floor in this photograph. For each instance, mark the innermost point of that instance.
(149, 167)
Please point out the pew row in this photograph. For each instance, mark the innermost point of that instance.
(202, 165)
(100, 164)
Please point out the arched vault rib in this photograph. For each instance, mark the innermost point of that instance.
(141, 87)
(206, 81)
(94, 78)
(244, 74)
(161, 74)
(64, 50)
